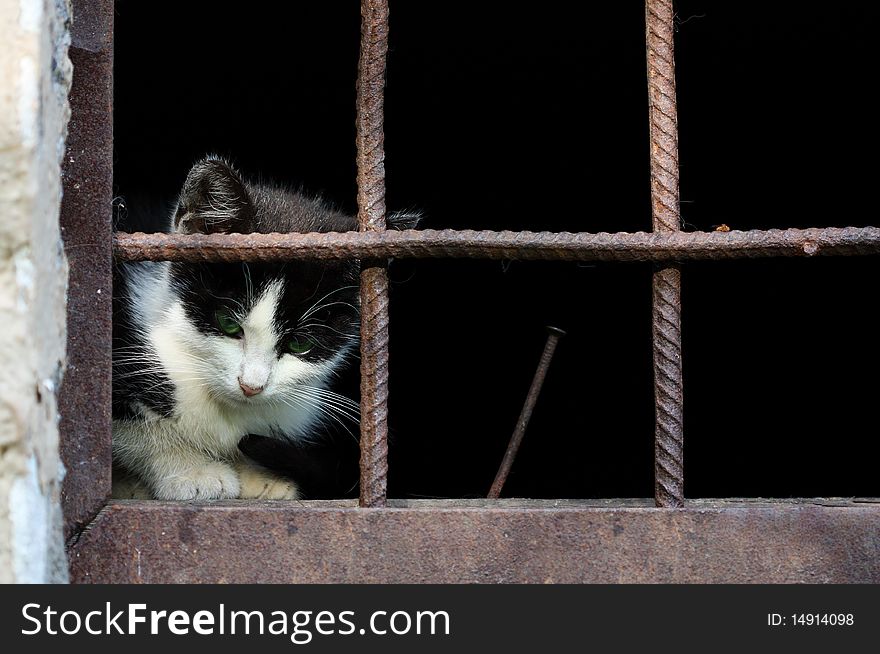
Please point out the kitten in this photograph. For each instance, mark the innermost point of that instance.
(206, 354)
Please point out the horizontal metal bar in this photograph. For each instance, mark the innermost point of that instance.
(620, 246)
(713, 542)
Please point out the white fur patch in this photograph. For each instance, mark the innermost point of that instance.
(211, 412)
(260, 339)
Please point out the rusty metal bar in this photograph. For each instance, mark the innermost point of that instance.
(86, 226)
(666, 320)
(622, 246)
(374, 275)
(446, 542)
(553, 336)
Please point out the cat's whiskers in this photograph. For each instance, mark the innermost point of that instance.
(326, 305)
(319, 325)
(155, 370)
(163, 383)
(346, 406)
(317, 306)
(249, 285)
(325, 407)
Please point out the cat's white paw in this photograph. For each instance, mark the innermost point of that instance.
(211, 481)
(262, 484)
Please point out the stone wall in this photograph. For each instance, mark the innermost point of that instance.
(35, 76)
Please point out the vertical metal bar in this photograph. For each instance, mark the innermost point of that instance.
(666, 322)
(374, 277)
(86, 226)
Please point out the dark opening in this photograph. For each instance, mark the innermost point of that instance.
(502, 119)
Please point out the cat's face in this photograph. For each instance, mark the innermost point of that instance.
(268, 333)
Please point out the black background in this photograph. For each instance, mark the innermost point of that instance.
(508, 116)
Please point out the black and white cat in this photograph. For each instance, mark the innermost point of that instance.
(206, 354)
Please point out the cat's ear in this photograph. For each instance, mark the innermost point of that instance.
(213, 200)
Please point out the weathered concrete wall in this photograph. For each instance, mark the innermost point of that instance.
(35, 75)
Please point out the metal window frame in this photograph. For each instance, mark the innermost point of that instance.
(383, 540)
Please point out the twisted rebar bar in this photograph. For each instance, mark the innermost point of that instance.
(666, 323)
(641, 246)
(374, 276)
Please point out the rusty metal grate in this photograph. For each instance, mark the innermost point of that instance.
(525, 541)
(667, 245)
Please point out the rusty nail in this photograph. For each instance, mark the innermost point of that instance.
(553, 336)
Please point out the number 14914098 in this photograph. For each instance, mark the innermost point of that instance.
(810, 620)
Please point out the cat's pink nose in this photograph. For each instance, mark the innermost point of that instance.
(250, 391)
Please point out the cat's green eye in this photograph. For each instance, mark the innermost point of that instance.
(227, 325)
(300, 344)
